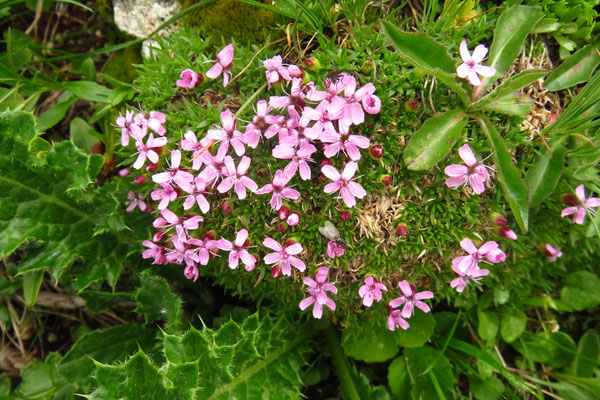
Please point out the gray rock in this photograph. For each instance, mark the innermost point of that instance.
(141, 17)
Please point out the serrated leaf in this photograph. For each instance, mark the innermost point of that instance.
(434, 140)
(368, 341)
(51, 202)
(513, 325)
(508, 87)
(508, 175)
(156, 301)
(588, 355)
(542, 177)
(421, 328)
(577, 68)
(512, 28)
(581, 291)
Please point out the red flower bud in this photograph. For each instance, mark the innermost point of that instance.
(281, 227)
(571, 200)
(226, 207)
(376, 151)
(208, 236)
(401, 230)
(289, 242)
(151, 167)
(345, 215)
(283, 212)
(325, 161)
(276, 271)
(412, 105)
(140, 180)
(386, 180)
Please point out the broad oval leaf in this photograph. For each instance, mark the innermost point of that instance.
(421, 328)
(581, 291)
(576, 69)
(513, 325)
(434, 140)
(369, 342)
(488, 325)
(588, 355)
(512, 104)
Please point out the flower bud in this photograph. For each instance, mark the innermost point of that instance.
(386, 179)
(401, 230)
(376, 151)
(151, 167)
(507, 233)
(571, 200)
(312, 64)
(325, 161)
(140, 180)
(412, 105)
(367, 67)
(289, 242)
(208, 236)
(281, 227)
(296, 72)
(276, 271)
(345, 215)
(293, 219)
(226, 207)
(498, 219)
(124, 172)
(283, 212)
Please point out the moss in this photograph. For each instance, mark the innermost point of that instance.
(234, 21)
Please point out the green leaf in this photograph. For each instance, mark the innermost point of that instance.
(31, 286)
(556, 349)
(508, 88)
(513, 325)
(368, 341)
(398, 378)
(512, 104)
(422, 51)
(512, 28)
(508, 175)
(48, 202)
(488, 325)
(421, 328)
(157, 302)
(434, 140)
(473, 351)
(581, 291)
(40, 380)
(56, 113)
(546, 25)
(489, 389)
(96, 301)
(576, 69)
(588, 355)
(542, 177)
(83, 135)
(90, 91)
(260, 358)
(420, 359)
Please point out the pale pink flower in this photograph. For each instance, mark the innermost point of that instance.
(334, 249)
(153, 120)
(579, 210)
(154, 251)
(279, 189)
(284, 256)
(191, 272)
(488, 250)
(222, 65)
(165, 194)
(466, 277)
(236, 177)
(300, 133)
(237, 251)
(552, 253)
(190, 143)
(395, 320)
(258, 126)
(228, 134)
(473, 172)
(295, 71)
(471, 66)
(181, 224)
(410, 298)
(215, 165)
(125, 123)
(347, 143)
(148, 150)
(349, 107)
(371, 290)
(318, 289)
(203, 247)
(182, 253)
(275, 70)
(197, 191)
(296, 98)
(189, 79)
(174, 174)
(136, 201)
(343, 182)
(371, 104)
(323, 119)
(293, 219)
(299, 159)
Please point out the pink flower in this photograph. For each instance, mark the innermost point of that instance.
(228, 134)
(318, 289)
(284, 256)
(189, 79)
(473, 172)
(293, 219)
(259, 124)
(552, 253)
(349, 107)
(580, 209)
(488, 250)
(190, 143)
(343, 182)
(191, 271)
(371, 290)
(411, 299)
(349, 144)
(175, 173)
(296, 98)
(154, 251)
(203, 248)
(125, 122)
(197, 192)
(237, 177)
(148, 150)
(299, 159)
(181, 224)
(395, 320)
(237, 251)
(507, 233)
(152, 120)
(136, 201)
(466, 277)
(275, 70)
(222, 65)
(166, 195)
(279, 189)
(371, 104)
(335, 250)
(471, 65)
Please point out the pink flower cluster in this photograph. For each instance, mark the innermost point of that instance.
(467, 267)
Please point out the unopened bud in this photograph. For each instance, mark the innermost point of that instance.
(293, 219)
(345, 215)
(276, 271)
(283, 212)
(386, 179)
(124, 172)
(151, 167)
(507, 233)
(412, 105)
(226, 207)
(401, 230)
(140, 180)
(313, 64)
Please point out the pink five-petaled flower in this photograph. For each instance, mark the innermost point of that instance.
(259, 125)
(237, 177)
(317, 289)
(153, 120)
(488, 250)
(552, 252)
(237, 251)
(196, 190)
(349, 144)
(343, 182)
(136, 201)
(298, 156)
(228, 134)
(466, 277)
(175, 173)
(222, 65)
(125, 122)
(579, 210)
(203, 246)
(471, 65)
(148, 150)
(335, 250)
(410, 298)
(181, 224)
(371, 290)
(166, 195)
(154, 251)
(275, 69)
(395, 320)
(284, 256)
(279, 189)
(189, 79)
(473, 172)
(349, 107)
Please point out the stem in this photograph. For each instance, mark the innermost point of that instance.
(250, 100)
(341, 364)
